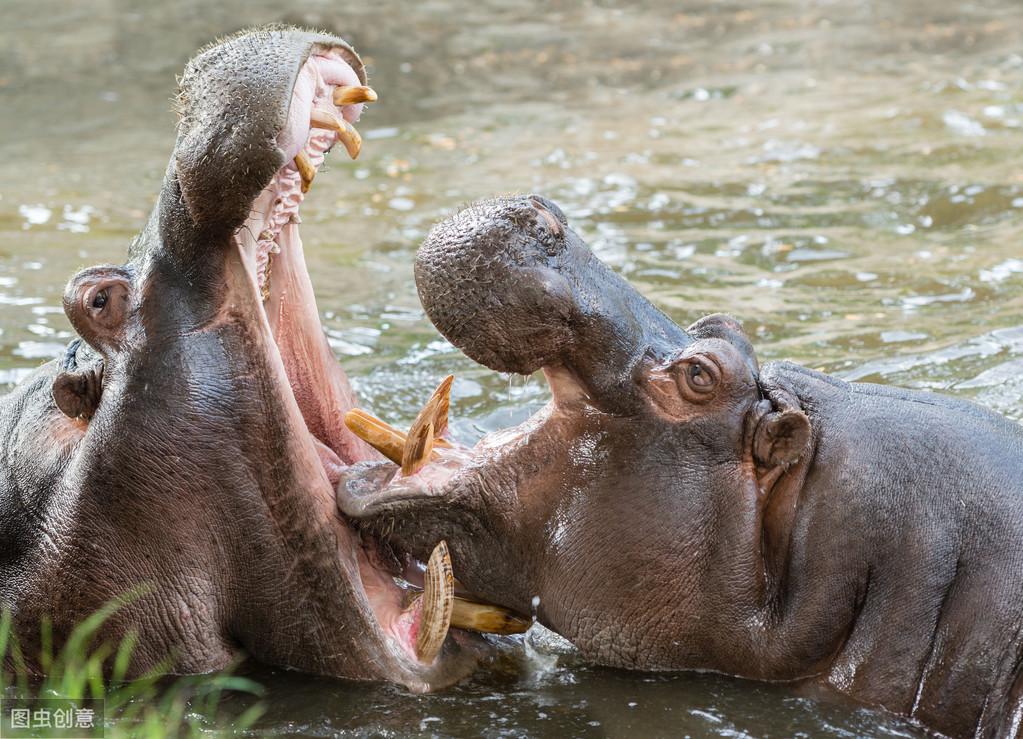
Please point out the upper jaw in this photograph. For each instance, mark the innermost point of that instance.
(234, 100)
(514, 288)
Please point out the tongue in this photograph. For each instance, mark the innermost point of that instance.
(317, 380)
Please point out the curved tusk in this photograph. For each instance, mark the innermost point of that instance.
(431, 422)
(383, 437)
(345, 131)
(436, 408)
(438, 600)
(305, 169)
(353, 95)
(418, 449)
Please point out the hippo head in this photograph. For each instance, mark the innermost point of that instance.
(639, 505)
(196, 430)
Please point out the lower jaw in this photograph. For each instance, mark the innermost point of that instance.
(322, 396)
(317, 382)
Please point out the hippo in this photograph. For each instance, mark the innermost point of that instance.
(180, 459)
(678, 506)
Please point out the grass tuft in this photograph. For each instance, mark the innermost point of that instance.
(149, 705)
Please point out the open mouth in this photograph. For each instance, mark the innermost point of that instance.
(428, 464)
(414, 606)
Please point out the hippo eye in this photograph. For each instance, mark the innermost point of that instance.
(699, 379)
(100, 299)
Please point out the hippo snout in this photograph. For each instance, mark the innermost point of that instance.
(508, 282)
(489, 280)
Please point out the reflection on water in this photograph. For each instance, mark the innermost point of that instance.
(569, 700)
(841, 175)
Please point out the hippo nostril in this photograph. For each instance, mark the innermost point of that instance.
(100, 300)
(553, 234)
(553, 223)
(543, 204)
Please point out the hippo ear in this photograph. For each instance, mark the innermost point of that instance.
(781, 438)
(77, 393)
(783, 431)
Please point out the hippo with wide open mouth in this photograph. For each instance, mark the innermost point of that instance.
(678, 506)
(191, 439)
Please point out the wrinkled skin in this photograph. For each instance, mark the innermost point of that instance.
(172, 449)
(677, 507)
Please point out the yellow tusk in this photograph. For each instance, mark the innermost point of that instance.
(350, 138)
(305, 169)
(438, 601)
(353, 95)
(345, 131)
(324, 119)
(486, 619)
(418, 449)
(436, 408)
(384, 438)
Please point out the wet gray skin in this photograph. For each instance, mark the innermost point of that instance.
(676, 506)
(173, 447)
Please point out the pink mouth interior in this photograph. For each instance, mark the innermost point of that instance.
(270, 244)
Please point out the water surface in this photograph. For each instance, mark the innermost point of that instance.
(844, 176)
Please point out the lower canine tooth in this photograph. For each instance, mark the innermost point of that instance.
(381, 436)
(486, 619)
(353, 95)
(436, 408)
(325, 120)
(305, 169)
(418, 449)
(431, 422)
(438, 601)
(345, 131)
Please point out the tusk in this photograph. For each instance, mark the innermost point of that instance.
(486, 619)
(436, 408)
(438, 601)
(418, 448)
(305, 169)
(345, 131)
(386, 439)
(324, 119)
(431, 422)
(383, 437)
(350, 138)
(352, 95)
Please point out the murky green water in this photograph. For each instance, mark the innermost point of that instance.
(844, 176)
